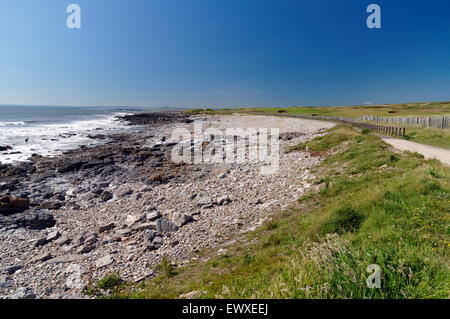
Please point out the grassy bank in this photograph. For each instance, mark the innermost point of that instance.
(374, 207)
(406, 109)
(429, 136)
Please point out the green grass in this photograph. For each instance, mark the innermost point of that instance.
(429, 136)
(406, 109)
(373, 207)
(336, 136)
(108, 282)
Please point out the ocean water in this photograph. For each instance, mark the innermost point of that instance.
(51, 130)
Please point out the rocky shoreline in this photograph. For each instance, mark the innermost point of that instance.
(121, 206)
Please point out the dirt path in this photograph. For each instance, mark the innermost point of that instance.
(428, 151)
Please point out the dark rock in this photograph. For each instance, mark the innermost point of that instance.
(23, 293)
(153, 215)
(6, 282)
(48, 195)
(126, 192)
(11, 205)
(42, 258)
(13, 269)
(158, 242)
(106, 227)
(156, 118)
(67, 167)
(290, 135)
(51, 205)
(106, 196)
(86, 249)
(149, 235)
(98, 191)
(33, 219)
(5, 148)
(62, 241)
(40, 242)
(91, 240)
(103, 185)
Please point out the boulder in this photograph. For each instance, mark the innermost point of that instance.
(126, 192)
(23, 293)
(86, 249)
(181, 219)
(106, 196)
(11, 205)
(53, 236)
(149, 235)
(104, 261)
(6, 282)
(98, 191)
(204, 200)
(32, 219)
(66, 167)
(91, 240)
(13, 269)
(144, 226)
(79, 240)
(223, 200)
(5, 148)
(20, 203)
(132, 219)
(41, 258)
(157, 242)
(153, 215)
(106, 227)
(63, 241)
(51, 205)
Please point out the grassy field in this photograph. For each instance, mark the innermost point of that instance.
(429, 136)
(407, 109)
(374, 207)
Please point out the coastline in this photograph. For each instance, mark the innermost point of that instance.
(122, 206)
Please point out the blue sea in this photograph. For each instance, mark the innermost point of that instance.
(51, 130)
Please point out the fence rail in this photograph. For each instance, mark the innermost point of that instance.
(429, 121)
(383, 129)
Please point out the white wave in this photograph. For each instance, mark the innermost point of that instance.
(53, 139)
(12, 123)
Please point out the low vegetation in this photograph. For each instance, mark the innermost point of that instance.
(374, 207)
(429, 136)
(111, 282)
(406, 109)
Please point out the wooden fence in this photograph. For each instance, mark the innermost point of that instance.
(429, 121)
(382, 129)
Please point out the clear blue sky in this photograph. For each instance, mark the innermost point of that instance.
(221, 53)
